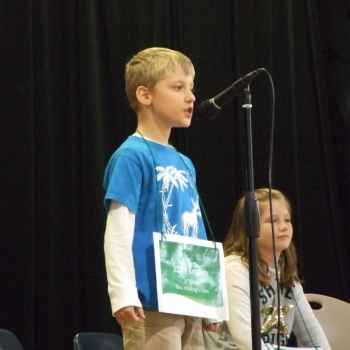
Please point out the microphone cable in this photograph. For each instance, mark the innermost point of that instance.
(270, 169)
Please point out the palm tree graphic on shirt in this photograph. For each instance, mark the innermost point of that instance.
(173, 178)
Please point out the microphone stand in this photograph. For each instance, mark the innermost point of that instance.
(252, 227)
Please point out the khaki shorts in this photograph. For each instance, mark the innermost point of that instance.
(161, 331)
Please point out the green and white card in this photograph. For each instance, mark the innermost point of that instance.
(190, 277)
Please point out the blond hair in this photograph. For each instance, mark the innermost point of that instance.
(236, 240)
(149, 66)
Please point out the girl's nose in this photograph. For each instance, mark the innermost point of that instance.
(283, 226)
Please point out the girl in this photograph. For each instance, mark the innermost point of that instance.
(295, 312)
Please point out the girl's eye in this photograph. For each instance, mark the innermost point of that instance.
(178, 87)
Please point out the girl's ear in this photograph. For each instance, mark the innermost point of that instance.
(143, 96)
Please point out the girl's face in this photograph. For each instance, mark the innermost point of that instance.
(283, 229)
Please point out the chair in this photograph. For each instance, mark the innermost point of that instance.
(8, 341)
(334, 318)
(97, 341)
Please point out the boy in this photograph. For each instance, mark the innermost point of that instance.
(149, 185)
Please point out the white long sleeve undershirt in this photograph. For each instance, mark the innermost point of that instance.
(119, 261)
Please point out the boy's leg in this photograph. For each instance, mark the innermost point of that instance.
(157, 331)
(192, 338)
(163, 331)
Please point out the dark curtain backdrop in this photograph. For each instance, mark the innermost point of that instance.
(64, 111)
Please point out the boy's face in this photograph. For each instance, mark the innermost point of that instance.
(172, 99)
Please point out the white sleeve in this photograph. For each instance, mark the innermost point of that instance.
(238, 295)
(119, 260)
(306, 325)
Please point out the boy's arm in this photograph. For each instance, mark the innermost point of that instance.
(119, 259)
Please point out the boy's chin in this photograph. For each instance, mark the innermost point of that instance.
(184, 125)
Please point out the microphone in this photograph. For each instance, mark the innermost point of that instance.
(209, 109)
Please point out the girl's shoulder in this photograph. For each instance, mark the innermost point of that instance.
(236, 272)
(234, 261)
(298, 289)
(232, 258)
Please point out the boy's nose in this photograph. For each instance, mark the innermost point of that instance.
(191, 96)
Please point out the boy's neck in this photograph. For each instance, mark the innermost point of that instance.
(150, 130)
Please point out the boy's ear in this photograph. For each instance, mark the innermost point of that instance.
(143, 95)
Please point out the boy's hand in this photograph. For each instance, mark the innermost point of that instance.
(129, 313)
(210, 327)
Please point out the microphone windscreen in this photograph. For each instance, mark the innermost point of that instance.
(207, 111)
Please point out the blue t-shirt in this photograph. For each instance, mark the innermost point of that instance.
(157, 184)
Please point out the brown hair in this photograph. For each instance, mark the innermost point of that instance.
(236, 241)
(149, 66)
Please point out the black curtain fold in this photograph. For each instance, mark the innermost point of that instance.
(17, 214)
(64, 112)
